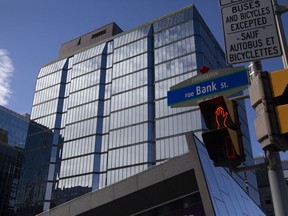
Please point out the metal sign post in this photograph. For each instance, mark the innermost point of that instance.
(278, 11)
(252, 33)
(260, 95)
(275, 172)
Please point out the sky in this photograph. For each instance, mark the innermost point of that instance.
(32, 31)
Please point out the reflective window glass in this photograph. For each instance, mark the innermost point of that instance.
(97, 50)
(174, 50)
(85, 81)
(176, 67)
(79, 113)
(131, 36)
(130, 116)
(51, 68)
(130, 98)
(46, 94)
(84, 96)
(130, 81)
(130, 50)
(128, 135)
(175, 33)
(174, 20)
(130, 65)
(48, 81)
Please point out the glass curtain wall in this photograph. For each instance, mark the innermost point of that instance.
(47, 110)
(175, 61)
(10, 163)
(82, 126)
(34, 171)
(16, 127)
(183, 44)
(107, 104)
(131, 125)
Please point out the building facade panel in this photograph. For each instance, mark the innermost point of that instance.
(10, 163)
(15, 127)
(35, 169)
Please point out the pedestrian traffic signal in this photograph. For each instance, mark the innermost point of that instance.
(279, 88)
(223, 140)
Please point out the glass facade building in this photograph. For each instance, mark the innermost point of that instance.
(13, 133)
(15, 125)
(33, 179)
(10, 162)
(25, 149)
(107, 104)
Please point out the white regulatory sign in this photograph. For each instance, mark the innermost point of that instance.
(250, 31)
(225, 2)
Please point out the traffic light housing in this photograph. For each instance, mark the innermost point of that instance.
(224, 139)
(269, 98)
(279, 89)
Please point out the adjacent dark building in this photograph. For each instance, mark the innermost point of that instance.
(13, 132)
(13, 127)
(33, 180)
(25, 150)
(264, 186)
(10, 163)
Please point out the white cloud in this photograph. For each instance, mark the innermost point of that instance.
(6, 71)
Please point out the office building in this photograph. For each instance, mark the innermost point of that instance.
(185, 185)
(13, 127)
(107, 106)
(25, 149)
(33, 181)
(13, 132)
(10, 163)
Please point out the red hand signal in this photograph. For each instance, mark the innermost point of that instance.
(221, 117)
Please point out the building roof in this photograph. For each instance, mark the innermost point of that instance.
(88, 39)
